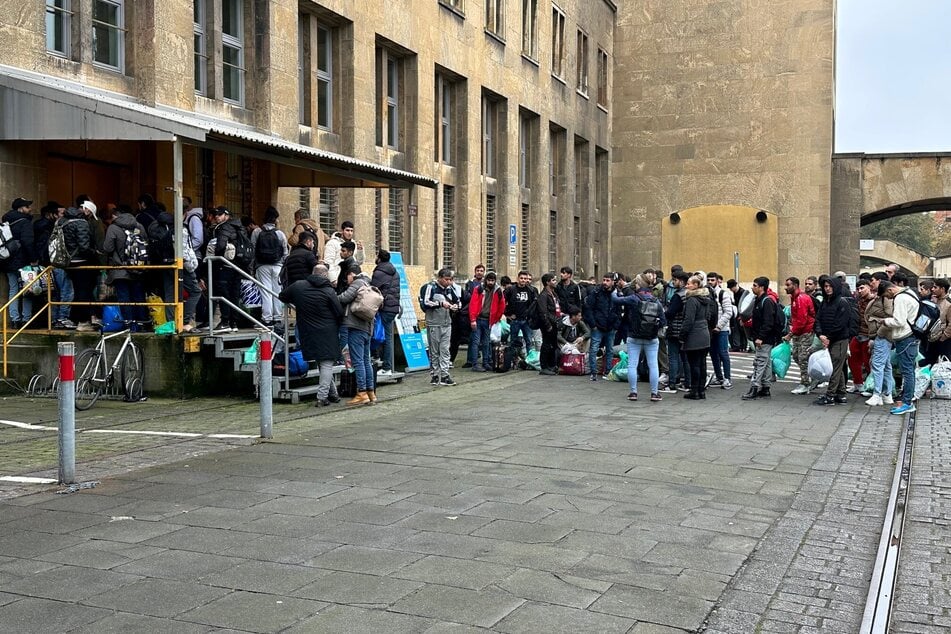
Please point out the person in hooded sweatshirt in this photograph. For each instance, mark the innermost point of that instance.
(387, 279)
(765, 331)
(226, 282)
(695, 334)
(832, 327)
(128, 283)
(319, 314)
(358, 339)
(21, 227)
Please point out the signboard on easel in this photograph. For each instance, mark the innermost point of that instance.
(407, 324)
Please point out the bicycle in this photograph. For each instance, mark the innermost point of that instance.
(94, 372)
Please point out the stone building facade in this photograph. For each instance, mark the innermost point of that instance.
(462, 117)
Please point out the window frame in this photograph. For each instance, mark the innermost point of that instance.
(325, 77)
(558, 26)
(495, 18)
(118, 28)
(490, 121)
(389, 76)
(603, 70)
(582, 62)
(236, 43)
(530, 29)
(65, 15)
(456, 6)
(444, 100)
(200, 46)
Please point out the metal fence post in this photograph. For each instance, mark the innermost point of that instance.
(67, 412)
(265, 386)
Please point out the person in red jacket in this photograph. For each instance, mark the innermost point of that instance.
(485, 310)
(860, 353)
(803, 319)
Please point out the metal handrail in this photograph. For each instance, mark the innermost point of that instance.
(285, 338)
(5, 309)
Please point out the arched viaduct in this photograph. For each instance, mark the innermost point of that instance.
(887, 251)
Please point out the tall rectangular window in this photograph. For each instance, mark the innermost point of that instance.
(324, 73)
(444, 99)
(328, 209)
(582, 62)
(59, 19)
(490, 122)
(557, 42)
(576, 241)
(490, 220)
(232, 51)
(388, 77)
(396, 222)
(552, 240)
(108, 33)
(581, 172)
(529, 28)
(602, 78)
(200, 52)
(305, 100)
(448, 227)
(303, 198)
(556, 158)
(525, 131)
(523, 242)
(495, 17)
(458, 5)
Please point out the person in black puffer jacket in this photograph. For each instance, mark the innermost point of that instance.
(21, 226)
(679, 370)
(299, 263)
(79, 243)
(226, 281)
(387, 279)
(695, 335)
(832, 327)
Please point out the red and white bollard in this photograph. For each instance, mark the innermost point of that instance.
(67, 412)
(265, 395)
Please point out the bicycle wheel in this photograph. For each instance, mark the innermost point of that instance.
(90, 378)
(132, 372)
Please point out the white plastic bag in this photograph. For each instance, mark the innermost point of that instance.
(941, 379)
(922, 381)
(820, 365)
(495, 333)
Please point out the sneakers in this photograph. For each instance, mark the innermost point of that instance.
(865, 393)
(663, 379)
(632, 396)
(385, 373)
(547, 372)
(434, 380)
(727, 384)
(825, 399)
(875, 401)
(887, 399)
(904, 408)
(478, 368)
(666, 389)
(655, 398)
(446, 380)
(800, 389)
(466, 365)
(594, 377)
(85, 327)
(715, 383)
(841, 399)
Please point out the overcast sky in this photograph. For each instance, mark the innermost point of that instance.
(893, 76)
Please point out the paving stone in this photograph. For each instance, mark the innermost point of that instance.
(521, 532)
(41, 615)
(539, 617)
(98, 553)
(482, 608)
(282, 550)
(368, 560)
(254, 612)
(444, 522)
(357, 589)
(650, 605)
(559, 589)
(263, 576)
(152, 510)
(157, 597)
(179, 564)
(132, 531)
(702, 559)
(515, 512)
(458, 573)
(283, 525)
(122, 623)
(69, 583)
(22, 544)
(203, 540)
(346, 618)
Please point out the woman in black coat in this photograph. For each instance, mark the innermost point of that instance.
(319, 314)
(695, 335)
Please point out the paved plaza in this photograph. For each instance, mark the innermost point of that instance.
(509, 503)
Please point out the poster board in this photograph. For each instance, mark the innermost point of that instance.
(407, 324)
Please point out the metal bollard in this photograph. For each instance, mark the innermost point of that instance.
(67, 412)
(265, 386)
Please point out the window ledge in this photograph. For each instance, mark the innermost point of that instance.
(560, 80)
(582, 93)
(495, 36)
(531, 60)
(111, 69)
(603, 108)
(454, 10)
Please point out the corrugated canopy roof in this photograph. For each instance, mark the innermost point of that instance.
(35, 107)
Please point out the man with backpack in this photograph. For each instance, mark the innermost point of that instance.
(125, 245)
(387, 279)
(270, 249)
(16, 252)
(439, 302)
(193, 239)
(833, 323)
(161, 238)
(720, 335)
(904, 311)
(225, 281)
(765, 332)
(802, 313)
(645, 318)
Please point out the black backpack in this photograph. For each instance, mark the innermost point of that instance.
(854, 319)
(713, 309)
(161, 243)
(243, 250)
(928, 313)
(534, 315)
(645, 319)
(269, 248)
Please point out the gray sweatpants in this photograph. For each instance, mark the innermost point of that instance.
(762, 366)
(439, 337)
(326, 387)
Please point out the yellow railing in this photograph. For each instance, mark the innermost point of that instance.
(48, 272)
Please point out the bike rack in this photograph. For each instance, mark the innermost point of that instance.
(40, 386)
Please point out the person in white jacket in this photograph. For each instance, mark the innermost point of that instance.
(720, 336)
(906, 344)
(332, 249)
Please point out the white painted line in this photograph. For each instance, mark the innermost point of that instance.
(180, 434)
(233, 436)
(27, 480)
(14, 423)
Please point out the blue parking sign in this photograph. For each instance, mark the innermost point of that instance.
(513, 235)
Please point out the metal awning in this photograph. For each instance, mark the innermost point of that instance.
(35, 107)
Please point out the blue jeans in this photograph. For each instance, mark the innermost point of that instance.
(907, 351)
(601, 338)
(26, 301)
(64, 288)
(678, 363)
(481, 342)
(720, 354)
(882, 366)
(634, 348)
(131, 291)
(359, 342)
(387, 353)
(520, 326)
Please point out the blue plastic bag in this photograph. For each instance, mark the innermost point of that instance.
(296, 363)
(379, 332)
(111, 319)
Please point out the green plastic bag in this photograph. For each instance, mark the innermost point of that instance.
(781, 357)
(251, 354)
(168, 328)
(532, 359)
